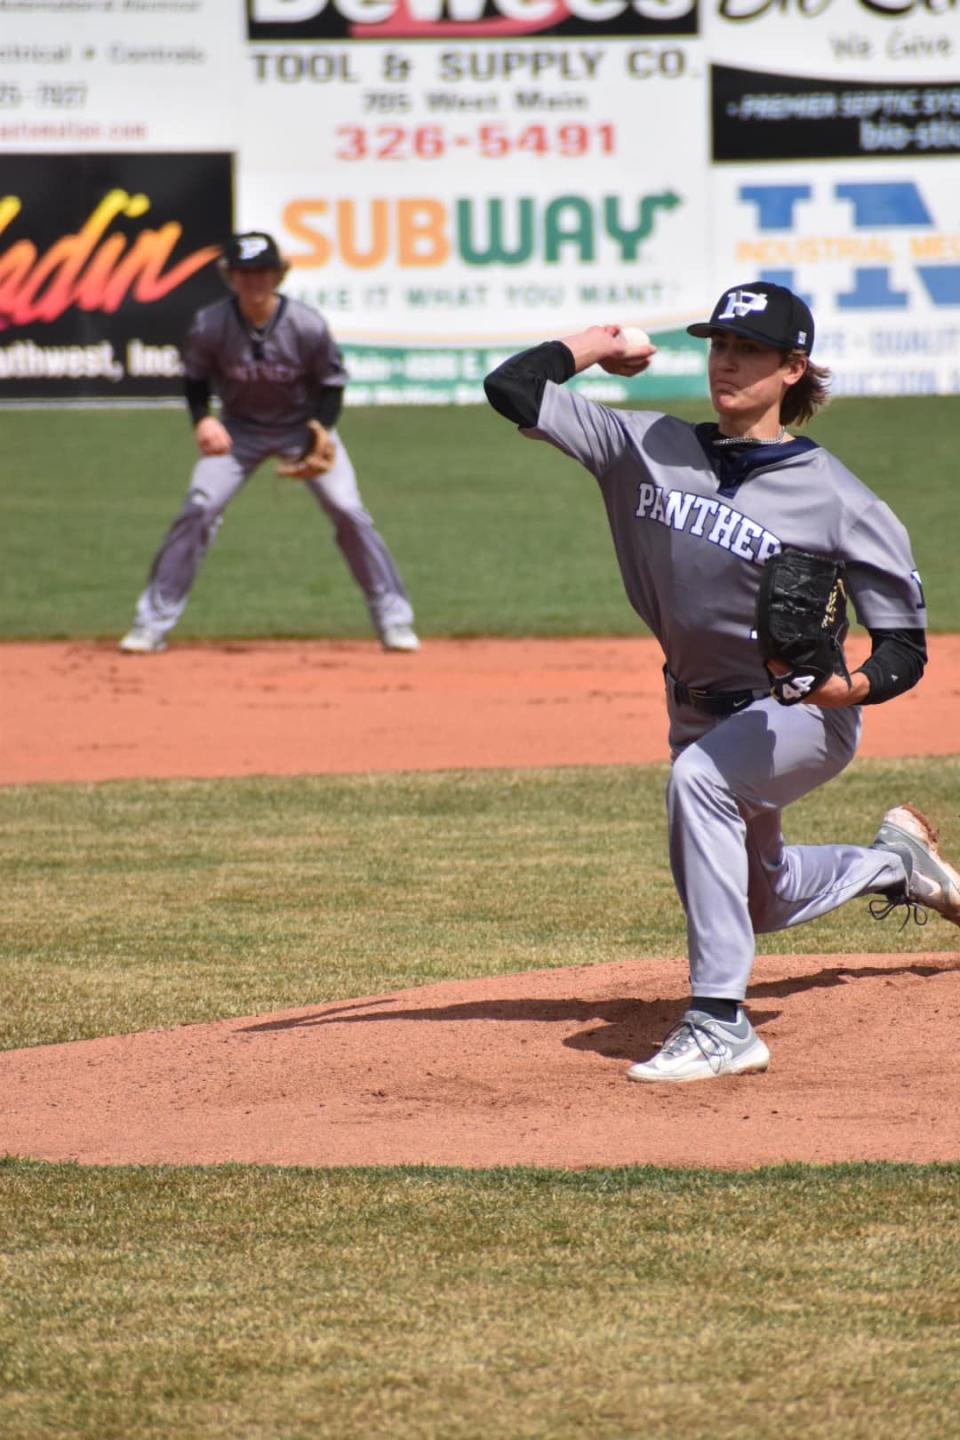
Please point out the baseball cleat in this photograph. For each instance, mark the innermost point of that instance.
(931, 882)
(399, 638)
(142, 641)
(702, 1048)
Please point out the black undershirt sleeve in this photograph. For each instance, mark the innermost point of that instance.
(895, 664)
(198, 398)
(515, 389)
(329, 404)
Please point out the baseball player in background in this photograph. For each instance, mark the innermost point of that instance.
(695, 512)
(280, 379)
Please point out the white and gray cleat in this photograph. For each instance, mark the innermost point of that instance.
(140, 640)
(400, 638)
(931, 881)
(702, 1048)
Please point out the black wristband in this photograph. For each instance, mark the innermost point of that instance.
(897, 663)
(198, 398)
(329, 404)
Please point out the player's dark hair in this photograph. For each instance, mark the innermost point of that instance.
(811, 392)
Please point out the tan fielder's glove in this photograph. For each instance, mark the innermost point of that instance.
(317, 460)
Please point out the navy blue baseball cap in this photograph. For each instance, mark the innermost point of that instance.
(770, 314)
(252, 250)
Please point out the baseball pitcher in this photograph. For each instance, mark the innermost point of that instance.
(739, 544)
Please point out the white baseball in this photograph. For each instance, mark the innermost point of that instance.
(634, 336)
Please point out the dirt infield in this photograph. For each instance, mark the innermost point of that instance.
(524, 1069)
(84, 712)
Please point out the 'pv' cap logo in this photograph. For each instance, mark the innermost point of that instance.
(250, 246)
(741, 303)
(761, 311)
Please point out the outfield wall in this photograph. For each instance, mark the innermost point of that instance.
(453, 179)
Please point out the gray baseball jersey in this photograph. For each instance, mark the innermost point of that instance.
(269, 381)
(691, 555)
(269, 376)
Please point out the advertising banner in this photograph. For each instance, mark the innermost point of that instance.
(870, 253)
(454, 179)
(120, 74)
(103, 259)
(782, 117)
(486, 175)
(851, 111)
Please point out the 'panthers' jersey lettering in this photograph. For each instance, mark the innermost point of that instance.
(270, 378)
(691, 549)
(679, 510)
(261, 370)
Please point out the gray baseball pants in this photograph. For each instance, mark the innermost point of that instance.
(735, 876)
(218, 478)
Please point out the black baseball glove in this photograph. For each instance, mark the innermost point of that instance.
(801, 623)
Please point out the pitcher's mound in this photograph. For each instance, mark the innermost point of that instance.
(518, 1070)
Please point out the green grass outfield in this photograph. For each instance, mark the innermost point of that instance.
(494, 535)
(424, 1304)
(255, 1302)
(130, 905)
(219, 1304)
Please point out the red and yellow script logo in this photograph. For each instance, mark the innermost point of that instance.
(91, 270)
